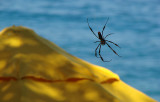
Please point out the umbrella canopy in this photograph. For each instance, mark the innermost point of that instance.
(33, 69)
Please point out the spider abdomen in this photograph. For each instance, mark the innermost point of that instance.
(99, 35)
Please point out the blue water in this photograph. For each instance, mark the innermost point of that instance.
(136, 24)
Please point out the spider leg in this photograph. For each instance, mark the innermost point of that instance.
(105, 26)
(97, 41)
(113, 43)
(101, 56)
(112, 49)
(108, 34)
(91, 29)
(96, 51)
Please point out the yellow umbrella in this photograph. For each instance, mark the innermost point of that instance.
(33, 69)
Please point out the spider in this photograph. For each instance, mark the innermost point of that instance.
(103, 41)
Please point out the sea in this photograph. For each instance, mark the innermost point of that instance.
(135, 24)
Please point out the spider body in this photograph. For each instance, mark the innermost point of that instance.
(103, 42)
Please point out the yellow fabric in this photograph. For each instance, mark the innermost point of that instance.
(33, 69)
